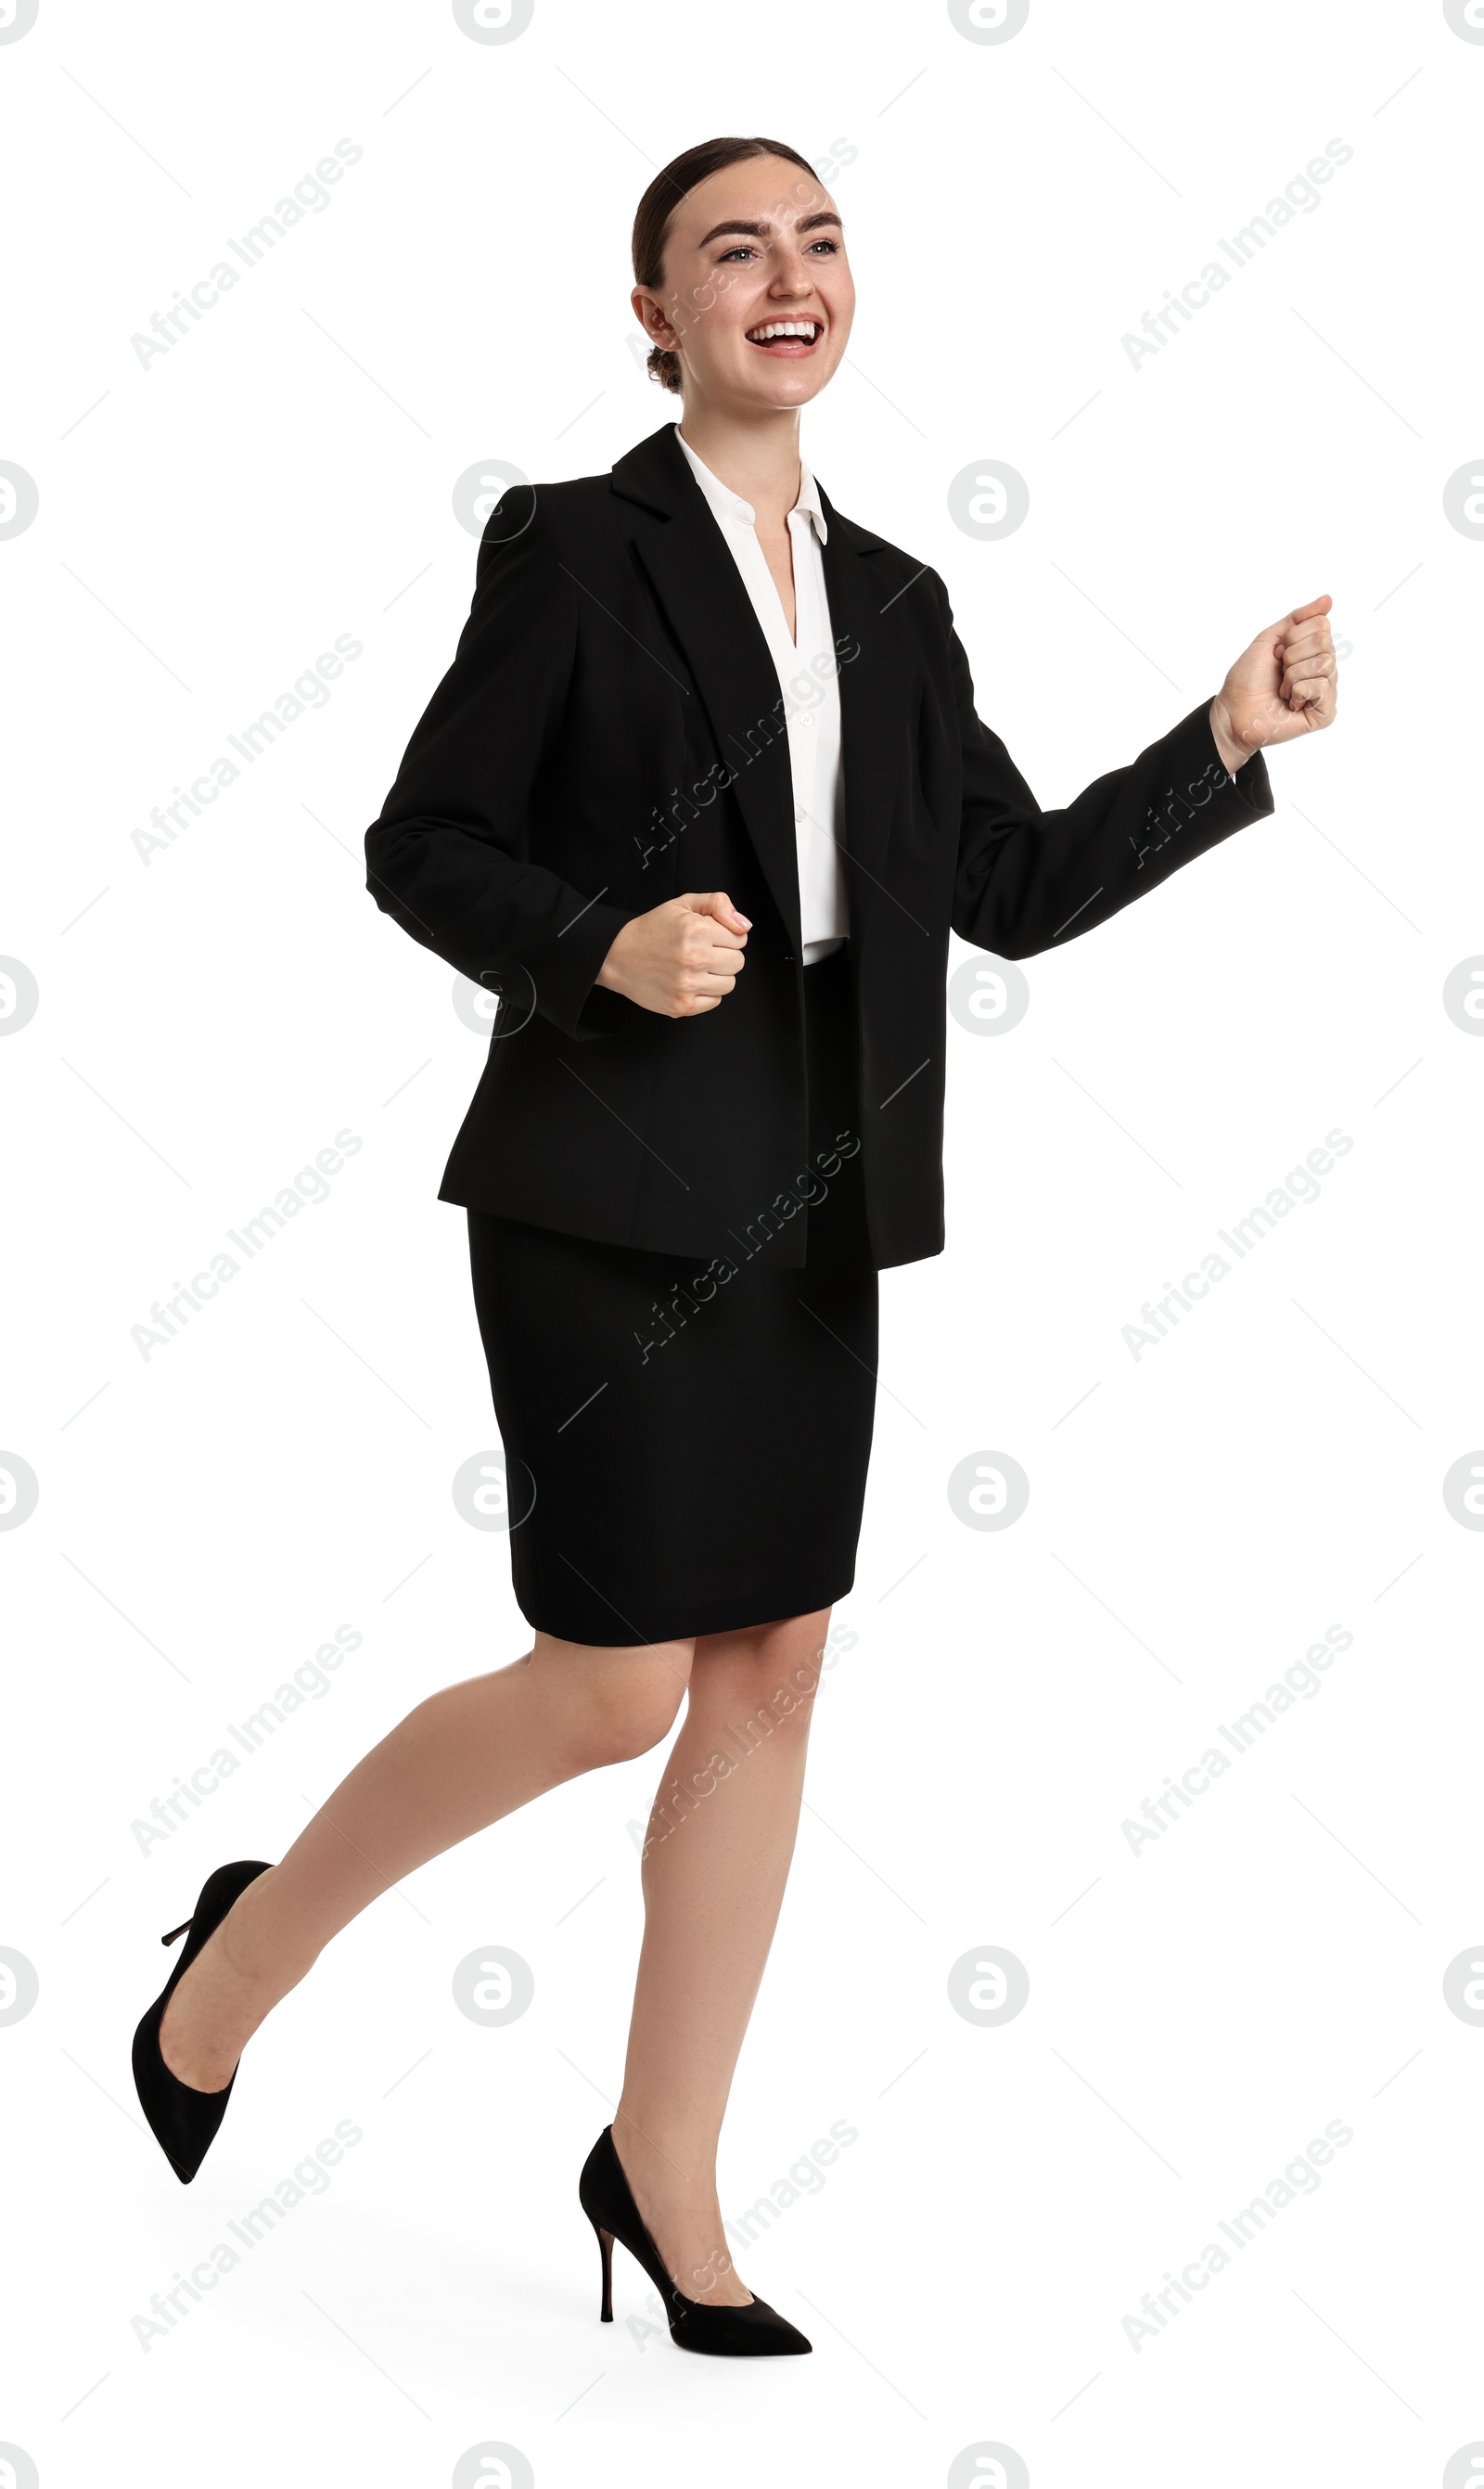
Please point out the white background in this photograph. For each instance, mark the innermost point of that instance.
(210, 1019)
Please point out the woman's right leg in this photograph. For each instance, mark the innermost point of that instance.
(460, 1760)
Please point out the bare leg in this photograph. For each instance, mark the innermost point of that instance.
(721, 1840)
(458, 1762)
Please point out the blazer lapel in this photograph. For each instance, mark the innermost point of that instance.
(710, 613)
(873, 647)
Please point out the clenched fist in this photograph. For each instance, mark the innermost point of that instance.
(1283, 685)
(681, 959)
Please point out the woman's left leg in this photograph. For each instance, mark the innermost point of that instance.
(715, 1863)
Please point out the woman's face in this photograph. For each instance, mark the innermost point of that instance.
(754, 246)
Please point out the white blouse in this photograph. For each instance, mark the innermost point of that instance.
(808, 677)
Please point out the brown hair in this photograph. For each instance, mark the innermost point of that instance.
(656, 209)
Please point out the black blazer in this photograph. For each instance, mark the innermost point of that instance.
(611, 733)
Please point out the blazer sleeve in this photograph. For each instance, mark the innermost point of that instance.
(1028, 879)
(449, 859)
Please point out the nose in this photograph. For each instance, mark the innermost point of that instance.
(792, 277)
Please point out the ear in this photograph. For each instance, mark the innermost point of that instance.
(652, 318)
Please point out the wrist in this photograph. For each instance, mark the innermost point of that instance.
(1232, 754)
(611, 973)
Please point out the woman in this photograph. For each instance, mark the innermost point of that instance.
(700, 798)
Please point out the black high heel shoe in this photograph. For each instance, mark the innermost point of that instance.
(182, 2120)
(753, 2331)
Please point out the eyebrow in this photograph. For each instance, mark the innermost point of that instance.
(734, 225)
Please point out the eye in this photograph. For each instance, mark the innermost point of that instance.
(737, 252)
(825, 244)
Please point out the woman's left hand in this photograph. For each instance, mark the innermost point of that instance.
(1283, 685)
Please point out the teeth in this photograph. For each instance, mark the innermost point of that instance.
(784, 328)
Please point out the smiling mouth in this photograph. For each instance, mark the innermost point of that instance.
(789, 337)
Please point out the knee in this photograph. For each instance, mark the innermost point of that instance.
(631, 1702)
(776, 1704)
(769, 1675)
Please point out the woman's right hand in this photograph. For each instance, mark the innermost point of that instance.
(681, 959)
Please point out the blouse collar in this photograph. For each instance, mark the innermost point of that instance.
(728, 504)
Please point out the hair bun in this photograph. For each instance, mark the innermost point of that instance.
(663, 364)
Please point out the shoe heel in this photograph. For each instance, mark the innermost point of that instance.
(605, 2250)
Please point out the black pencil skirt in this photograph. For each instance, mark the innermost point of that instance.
(687, 1448)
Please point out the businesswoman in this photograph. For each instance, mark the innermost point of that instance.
(699, 799)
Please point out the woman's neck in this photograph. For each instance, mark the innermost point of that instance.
(755, 456)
